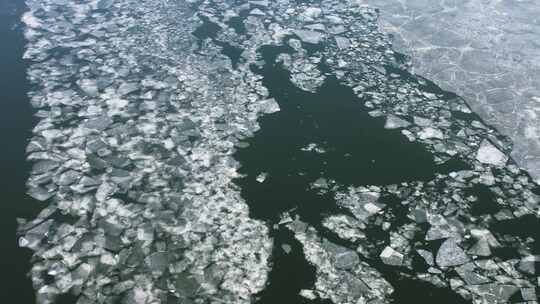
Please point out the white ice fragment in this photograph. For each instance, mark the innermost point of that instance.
(261, 177)
(372, 208)
(269, 106)
(489, 154)
(257, 12)
(308, 294)
(309, 36)
(286, 248)
(343, 42)
(30, 20)
(394, 122)
(450, 254)
(430, 132)
(423, 122)
(313, 147)
(89, 87)
(312, 12)
(116, 104)
(391, 257)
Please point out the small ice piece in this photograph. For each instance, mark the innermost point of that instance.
(312, 13)
(308, 294)
(422, 122)
(320, 183)
(127, 88)
(89, 87)
(105, 190)
(426, 255)
(489, 154)
(285, 218)
(391, 257)
(99, 123)
(394, 122)
(116, 104)
(40, 194)
(346, 259)
(313, 147)
(287, 248)
(257, 12)
(309, 36)
(30, 20)
(269, 106)
(529, 294)
(104, 4)
(263, 3)
(261, 177)
(450, 254)
(158, 261)
(430, 132)
(372, 208)
(343, 42)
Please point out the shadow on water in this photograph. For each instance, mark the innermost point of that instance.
(358, 151)
(16, 121)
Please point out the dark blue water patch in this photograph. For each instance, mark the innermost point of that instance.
(237, 23)
(234, 53)
(486, 202)
(358, 151)
(207, 29)
(16, 122)
(280, 288)
(527, 226)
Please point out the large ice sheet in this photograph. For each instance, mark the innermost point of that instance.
(486, 51)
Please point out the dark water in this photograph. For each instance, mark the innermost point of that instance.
(359, 151)
(16, 121)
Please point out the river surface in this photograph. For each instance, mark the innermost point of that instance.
(16, 121)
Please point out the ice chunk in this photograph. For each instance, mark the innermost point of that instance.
(40, 194)
(489, 154)
(269, 106)
(450, 254)
(261, 177)
(286, 248)
(431, 133)
(312, 13)
(308, 294)
(394, 122)
(309, 36)
(343, 42)
(391, 257)
(426, 255)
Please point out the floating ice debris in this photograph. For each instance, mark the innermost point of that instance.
(343, 42)
(394, 122)
(489, 154)
(262, 177)
(345, 227)
(450, 254)
(286, 248)
(341, 276)
(269, 106)
(430, 133)
(313, 147)
(391, 257)
(309, 36)
(308, 294)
